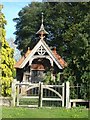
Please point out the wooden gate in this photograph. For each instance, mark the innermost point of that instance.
(39, 95)
(52, 95)
(26, 94)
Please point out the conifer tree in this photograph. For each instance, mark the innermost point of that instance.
(7, 60)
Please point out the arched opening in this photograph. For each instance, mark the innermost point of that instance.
(39, 67)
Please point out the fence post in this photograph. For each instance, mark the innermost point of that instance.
(40, 93)
(67, 95)
(23, 88)
(18, 93)
(63, 94)
(13, 94)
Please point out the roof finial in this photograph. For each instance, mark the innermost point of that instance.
(28, 48)
(42, 31)
(42, 17)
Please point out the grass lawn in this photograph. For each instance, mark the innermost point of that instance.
(18, 112)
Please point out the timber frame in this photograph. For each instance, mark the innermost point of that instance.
(40, 52)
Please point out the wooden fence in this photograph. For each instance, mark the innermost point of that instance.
(43, 93)
(72, 100)
(59, 95)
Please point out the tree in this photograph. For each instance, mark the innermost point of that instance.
(29, 22)
(77, 38)
(14, 47)
(7, 60)
(68, 26)
(27, 25)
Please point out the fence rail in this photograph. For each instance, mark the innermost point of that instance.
(43, 93)
(39, 95)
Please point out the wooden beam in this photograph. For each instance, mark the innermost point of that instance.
(51, 99)
(63, 94)
(28, 106)
(67, 95)
(28, 97)
(78, 100)
(53, 86)
(13, 92)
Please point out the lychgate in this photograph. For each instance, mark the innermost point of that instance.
(38, 63)
(33, 66)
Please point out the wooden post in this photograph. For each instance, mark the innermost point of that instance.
(13, 94)
(74, 104)
(52, 77)
(30, 75)
(18, 94)
(23, 88)
(63, 94)
(40, 93)
(67, 95)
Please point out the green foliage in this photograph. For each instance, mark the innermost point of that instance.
(7, 60)
(68, 25)
(47, 78)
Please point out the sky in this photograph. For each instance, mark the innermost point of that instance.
(10, 10)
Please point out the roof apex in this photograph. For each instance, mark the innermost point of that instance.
(42, 30)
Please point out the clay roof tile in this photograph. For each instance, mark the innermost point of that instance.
(22, 59)
(60, 60)
(56, 55)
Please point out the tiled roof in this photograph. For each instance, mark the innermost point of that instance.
(60, 60)
(57, 56)
(22, 59)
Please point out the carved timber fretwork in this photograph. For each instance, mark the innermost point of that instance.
(35, 50)
(41, 50)
(41, 56)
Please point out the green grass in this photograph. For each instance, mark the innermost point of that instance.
(18, 112)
